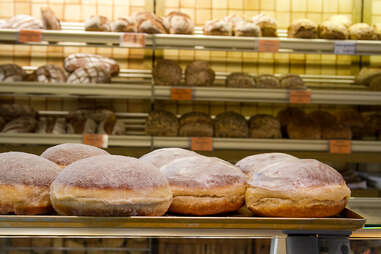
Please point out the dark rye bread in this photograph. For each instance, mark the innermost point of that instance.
(336, 131)
(196, 124)
(89, 75)
(291, 81)
(267, 81)
(354, 120)
(240, 80)
(198, 73)
(49, 73)
(323, 118)
(264, 126)
(230, 125)
(162, 123)
(12, 111)
(167, 73)
(11, 72)
(303, 128)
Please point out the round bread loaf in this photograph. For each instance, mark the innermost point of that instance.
(230, 125)
(192, 117)
(247, 29)
(254, 163)
(336, 131)
(49, 19)
(292, 81)
(196, 124)
(373, 126)
(362, 31)
(167, 73)
(233, 20)
(204, 186)
(178, 23)
(297, 188)
(11, 72)
(24, 183)
(97, 23)
(302, 28)
(89, 75)
(304, 128)
(149, 23)
(267, 81)
(65, 154)
(22, 21)
(323, 118)
(264, 126)
(341, 19)
(267, 24)
(333, 30)
(290, 114)
(110, 185)
(162, 123)
(125, 25)
(161, 157)
(198, 73)
(217, 27)
(240, 80)
(354, 120)
(49, 73)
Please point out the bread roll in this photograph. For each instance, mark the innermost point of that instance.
(49, 73)
(89, 75)
(230, 125)
(254, 163)
(65, 154)
(333, 31)
(11, 72)
(23, 22)
(362, 31)
(110, 185)
(198, 73)
(204, 186)
(264, 126)
(267, 24)
(149, 23)
(303, 28)
(98, 23)
(247, 29)
(192, 117)
(240, 80)
(81, 60)
(217, 27)
(297, 188)
(161, 157)
(292, 81)
(162, 123)
(24, 183)
(196, 124)
(178, 23)
(125, 25)
(267, 81)
(24, 124)
(12, 111)
(167, 73)
(49, 19)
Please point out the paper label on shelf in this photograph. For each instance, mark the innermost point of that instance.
(340, 146)
(132, 40)
(202, 144)
(268, 45)
(98, 140)
(300, 96)
(29, 36)
(181, 94)
(345, 48)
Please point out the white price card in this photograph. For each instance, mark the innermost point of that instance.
(132, 40)
(345, 47)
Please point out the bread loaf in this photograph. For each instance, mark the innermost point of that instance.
(217, 27)
(247, 29)
(79, 122)
(161, 157)
(267, 24)
(323, 118)
(125, 25)
(292, 81)
(49, 73)
(167, 73)
(24, 183)
(303, 28)
(105, 119)
(230, 125)
(51, 125)
(12, 111)
(289, 115)
(196, 124)
(23, 22)
(341, 19)
(362, 31)
(354, 120)
(297, 188)
(162, 123)
(98, 23)
(233, 20)
(372, 125)
(264, 126)
(198, 73)
(267, 81)
(333, 31)
(149, 23)
(11, 73)
(240, 80)
(89, 75)
(178, 23)
(24, 124)
(49, 19)
(336, 131)
(304, 128)
(81, 60)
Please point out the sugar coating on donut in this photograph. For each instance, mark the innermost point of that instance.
(65, 154)
(161, 157)
(112, 172)
(26, 169)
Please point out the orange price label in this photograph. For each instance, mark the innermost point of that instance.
(300, 96)
(202, 144)
(268, 45)
(340, 146)
(29, 36)
(181, 94)
(133, 40)
(98, 140)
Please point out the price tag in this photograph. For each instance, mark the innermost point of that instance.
(345, 47)
(340, 146)
(98, 140)
(133, 40)
(181, 94)
(29, 36)
(268, 45)
(202, 144)
(300, 96)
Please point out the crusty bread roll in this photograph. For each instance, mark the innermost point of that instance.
(297, 188)
(11, 72)
(196, 124)
(24, 183)
(199, 73)
(264, 126)
(178, 23)
(267, 81)
(163, 156)
(110, 185)
(81, 60)
(49, 73)
(90, 75)
(240, 80)
(65, 154)
(302, 28)
(230, 125)
(149, 23)
(252, 164)
(49, 19)
(125, 25)
(217, 27)
(291, 81)
(98, 23)
(204, 186)
(267, 24)
(333, 30)
(247, 29)
(162, 123)
(23, 22)
(362, 31)
(167, 73)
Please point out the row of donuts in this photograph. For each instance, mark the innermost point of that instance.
(77, 179)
